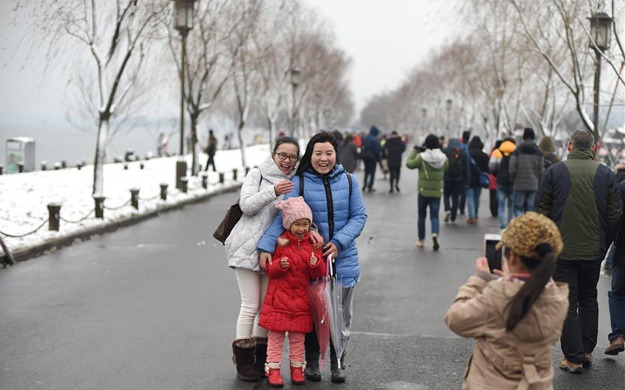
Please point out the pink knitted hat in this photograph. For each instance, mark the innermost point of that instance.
(292, 210)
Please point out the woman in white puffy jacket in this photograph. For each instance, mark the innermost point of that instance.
(261, 188)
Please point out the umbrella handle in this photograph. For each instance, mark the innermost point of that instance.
(330, 268)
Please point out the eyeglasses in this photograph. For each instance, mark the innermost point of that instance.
(284, 156)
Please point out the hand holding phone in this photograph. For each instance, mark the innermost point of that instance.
(491, 253)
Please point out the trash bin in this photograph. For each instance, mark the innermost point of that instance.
(20, 150)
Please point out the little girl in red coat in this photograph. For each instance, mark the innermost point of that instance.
(286, 307)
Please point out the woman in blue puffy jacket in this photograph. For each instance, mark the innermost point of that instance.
(339, 213)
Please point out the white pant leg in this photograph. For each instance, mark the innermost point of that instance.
(252, 287)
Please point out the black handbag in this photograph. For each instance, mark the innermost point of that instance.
(233, 215)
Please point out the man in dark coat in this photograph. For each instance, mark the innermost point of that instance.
(393, 150)
(616, 295)
(456, 178)
(580, 195)
(478, 163)
(371, 153)
(211, 149)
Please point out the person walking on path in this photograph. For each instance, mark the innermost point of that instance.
(393, 150)
(339, 213)
(348, 153)
(479, 163)
(466, 136)
(432, 165)
(616, 295)
(517, 318)
(370, 153)
(526, 168)
(492, 188)
(261, 188)
(580, 196)
(286, 307)
(549, 151)
(211, 149)
(456, 178)
(619, 172)
(499, 165)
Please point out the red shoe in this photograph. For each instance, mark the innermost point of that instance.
(297, 375)
(273, 377)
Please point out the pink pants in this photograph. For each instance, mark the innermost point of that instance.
(296, 347)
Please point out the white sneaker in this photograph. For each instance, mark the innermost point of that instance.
(420, 243)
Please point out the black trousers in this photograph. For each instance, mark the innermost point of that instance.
(395, 172)
(494, 205)
(210, 161)
(370, 167)
(579, 333)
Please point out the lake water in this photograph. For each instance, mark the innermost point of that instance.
(56, 142)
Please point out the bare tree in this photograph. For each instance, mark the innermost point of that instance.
(113, 35)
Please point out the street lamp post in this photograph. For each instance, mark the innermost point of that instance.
(600, 24)
(448, 106)
(295, 80)
(183, 22)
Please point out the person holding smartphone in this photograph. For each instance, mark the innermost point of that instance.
(515, 316)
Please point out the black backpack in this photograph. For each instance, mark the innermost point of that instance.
(455, 162)
(503, 171)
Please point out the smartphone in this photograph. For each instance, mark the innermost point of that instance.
(493, 255)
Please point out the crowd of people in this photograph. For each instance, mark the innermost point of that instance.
(557, 219)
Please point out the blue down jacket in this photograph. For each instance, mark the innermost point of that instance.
(339, 217)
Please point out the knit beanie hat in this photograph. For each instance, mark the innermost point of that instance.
(431, 142)
(292, 210)
(528, 133)
(527, 231)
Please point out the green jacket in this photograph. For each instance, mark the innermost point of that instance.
(432, 165)
(580, 195)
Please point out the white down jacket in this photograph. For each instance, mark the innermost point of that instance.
(257, 202)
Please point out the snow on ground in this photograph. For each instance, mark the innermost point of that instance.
(24, 197)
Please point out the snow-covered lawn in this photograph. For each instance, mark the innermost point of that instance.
(24, 197)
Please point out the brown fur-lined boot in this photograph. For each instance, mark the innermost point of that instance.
(244, 357)
(261, 355)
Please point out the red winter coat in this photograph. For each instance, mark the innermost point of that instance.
(286, 307)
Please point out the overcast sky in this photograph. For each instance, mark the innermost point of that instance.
(384, 38)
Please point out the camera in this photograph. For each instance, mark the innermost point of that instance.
(419, 148)
(493, 255)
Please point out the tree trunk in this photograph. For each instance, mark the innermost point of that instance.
(100, 154)
(194, 139)
(241, 143)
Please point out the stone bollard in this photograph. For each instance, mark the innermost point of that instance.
(184, 184)
(78, 165)
(63, 164)
(235, 174)
(141, 166)
(57, 166)
(134, 198)
(99, 206)
(247, 170)
(205, 180)
(20, 167)
(44, 165)
(125, 166)
(54, 216)
(222, 177)
(181, 171)
(1, 169)
(164, 191)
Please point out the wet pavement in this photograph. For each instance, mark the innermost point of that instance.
(154, 306)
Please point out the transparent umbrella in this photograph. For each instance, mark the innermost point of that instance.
(334, 303)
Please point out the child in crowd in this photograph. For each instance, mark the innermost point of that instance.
(515, 319)
(286, 307)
